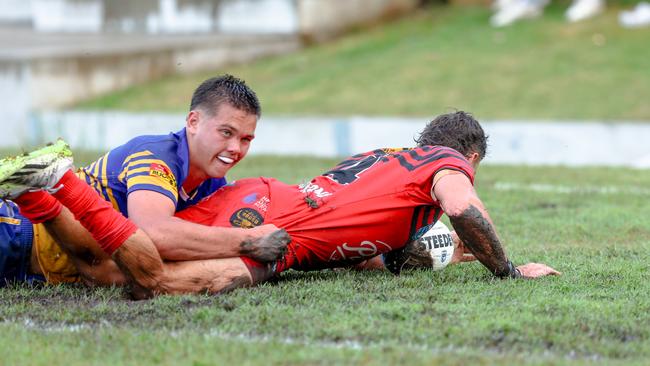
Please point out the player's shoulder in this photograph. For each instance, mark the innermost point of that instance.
(155, 143)
(163, 147)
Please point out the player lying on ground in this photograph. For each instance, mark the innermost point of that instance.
(149, 178)
(370, 204)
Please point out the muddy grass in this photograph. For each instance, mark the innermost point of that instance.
(74, 305)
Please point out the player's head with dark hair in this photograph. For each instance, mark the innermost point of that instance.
(457, 130)
(214, 92)
(220, 126)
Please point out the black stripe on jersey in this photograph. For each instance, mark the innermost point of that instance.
(431, 150)
(415, 156)
(424, 160)
(414, 224)
(452, 168)
(437, 214)
(425, 216)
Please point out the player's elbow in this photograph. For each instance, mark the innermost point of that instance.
(455, 209)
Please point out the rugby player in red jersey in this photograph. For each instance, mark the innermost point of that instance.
(370, 204)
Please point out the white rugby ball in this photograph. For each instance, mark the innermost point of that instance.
(438, 242)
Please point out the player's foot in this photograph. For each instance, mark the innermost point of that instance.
(584, 9)
(40, 169)
(636, 18)
(518, 10)
(498, 5)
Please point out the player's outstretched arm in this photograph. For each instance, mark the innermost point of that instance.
(181, 240)
(475, 229)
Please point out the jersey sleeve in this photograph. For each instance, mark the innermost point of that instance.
(146, 170)
(429, 162)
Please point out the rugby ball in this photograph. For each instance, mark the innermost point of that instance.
(438, 243)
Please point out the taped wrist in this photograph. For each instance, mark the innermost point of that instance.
(511, 272)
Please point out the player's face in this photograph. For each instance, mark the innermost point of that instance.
(220, 141)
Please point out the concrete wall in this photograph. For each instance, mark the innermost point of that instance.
(314, 19)
(67, 15)
(70, 58)
(16, 11)
(258, 16)
(511, 142)
(323, 19)
(14, 103)
(56, 82)
(33, 83)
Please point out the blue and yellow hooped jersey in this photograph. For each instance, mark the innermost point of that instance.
(155, 163)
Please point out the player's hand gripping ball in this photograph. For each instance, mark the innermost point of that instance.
(434, 250)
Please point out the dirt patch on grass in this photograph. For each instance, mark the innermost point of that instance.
(55, 306)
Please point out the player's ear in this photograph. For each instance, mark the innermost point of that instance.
(474, 158)
(192, 120)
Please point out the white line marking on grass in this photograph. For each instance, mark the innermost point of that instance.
(343, 344)
(364, 346)
(566, 189)
(57, 327)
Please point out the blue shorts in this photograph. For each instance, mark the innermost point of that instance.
(16, 236)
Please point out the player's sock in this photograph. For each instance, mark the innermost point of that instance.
(106, 225)
(38, 206)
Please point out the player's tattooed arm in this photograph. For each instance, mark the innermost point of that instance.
(477, 233)
(472, 223)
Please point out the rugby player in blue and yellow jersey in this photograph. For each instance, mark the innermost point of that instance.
(149, 178)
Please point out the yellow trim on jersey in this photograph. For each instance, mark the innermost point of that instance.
(109, 191)
(136, 155)
(57, 266)
(127, 168)
(153, 180)
(9, 220)
(95, 174)
(144, 169)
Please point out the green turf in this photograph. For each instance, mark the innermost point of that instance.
(443, 58)
(598, 311)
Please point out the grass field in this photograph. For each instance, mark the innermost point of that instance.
(443, 58)
(598, 311)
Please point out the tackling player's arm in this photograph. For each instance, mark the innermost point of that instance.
(461, 251)
(475, 228)
(177, 239)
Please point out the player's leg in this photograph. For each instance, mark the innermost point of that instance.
(213, 276)
(132, 249)
(94, 266)
(49, 168)
(16, 237)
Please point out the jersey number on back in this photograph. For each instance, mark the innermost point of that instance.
(349, 170)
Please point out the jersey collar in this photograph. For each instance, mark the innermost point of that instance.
(184, 154)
